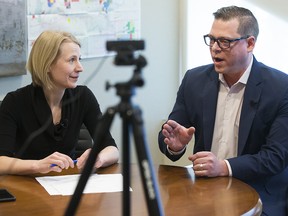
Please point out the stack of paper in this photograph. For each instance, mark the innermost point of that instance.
(97, 183)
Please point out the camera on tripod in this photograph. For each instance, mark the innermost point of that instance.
(125, 50)
(132, 118)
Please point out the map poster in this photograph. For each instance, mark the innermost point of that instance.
(93, 22)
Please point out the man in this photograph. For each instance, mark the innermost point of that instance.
(237, 109)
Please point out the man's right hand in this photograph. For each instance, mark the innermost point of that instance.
(176, 135)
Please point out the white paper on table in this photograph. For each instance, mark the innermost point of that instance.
(97, 183)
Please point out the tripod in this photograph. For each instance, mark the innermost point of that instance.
(131, 116)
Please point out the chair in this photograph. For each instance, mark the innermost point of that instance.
(84, 141)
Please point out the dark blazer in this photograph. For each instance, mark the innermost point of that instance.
(263, 131)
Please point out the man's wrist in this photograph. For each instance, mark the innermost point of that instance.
(228, 170)
(176, 152)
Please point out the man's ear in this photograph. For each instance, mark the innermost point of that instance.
(251, 41)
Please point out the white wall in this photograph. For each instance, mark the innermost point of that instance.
(272, 18)
(159, 23)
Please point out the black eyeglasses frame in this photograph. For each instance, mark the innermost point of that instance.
(224, 40)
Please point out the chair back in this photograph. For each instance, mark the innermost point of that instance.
(85, 141)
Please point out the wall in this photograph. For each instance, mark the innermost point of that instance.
(273, 24)
(159, 20)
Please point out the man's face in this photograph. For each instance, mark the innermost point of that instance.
(234, 59)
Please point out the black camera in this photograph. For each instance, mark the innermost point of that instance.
(125, 45)
(125, 51)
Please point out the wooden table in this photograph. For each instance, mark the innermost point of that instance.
(181, 194)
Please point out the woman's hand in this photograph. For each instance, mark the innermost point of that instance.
(55, 162)
(106, 157)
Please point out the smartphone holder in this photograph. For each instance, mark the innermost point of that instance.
(131, 117)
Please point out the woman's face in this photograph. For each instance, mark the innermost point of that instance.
(65, 71)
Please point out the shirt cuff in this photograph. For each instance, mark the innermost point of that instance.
(229, 167)
(174, 152)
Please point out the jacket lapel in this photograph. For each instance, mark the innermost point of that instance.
(209, 109)
(250, 103)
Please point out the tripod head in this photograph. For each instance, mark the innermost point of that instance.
(124, 57)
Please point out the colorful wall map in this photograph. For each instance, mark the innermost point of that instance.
(93, 22)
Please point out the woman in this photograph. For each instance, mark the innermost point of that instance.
(40, 123)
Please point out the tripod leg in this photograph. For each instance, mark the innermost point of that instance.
(145, 165)
(126, 166)
(101, 130)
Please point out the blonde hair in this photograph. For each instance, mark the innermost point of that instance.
(44, 53)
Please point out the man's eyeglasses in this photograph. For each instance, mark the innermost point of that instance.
(223, 43)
